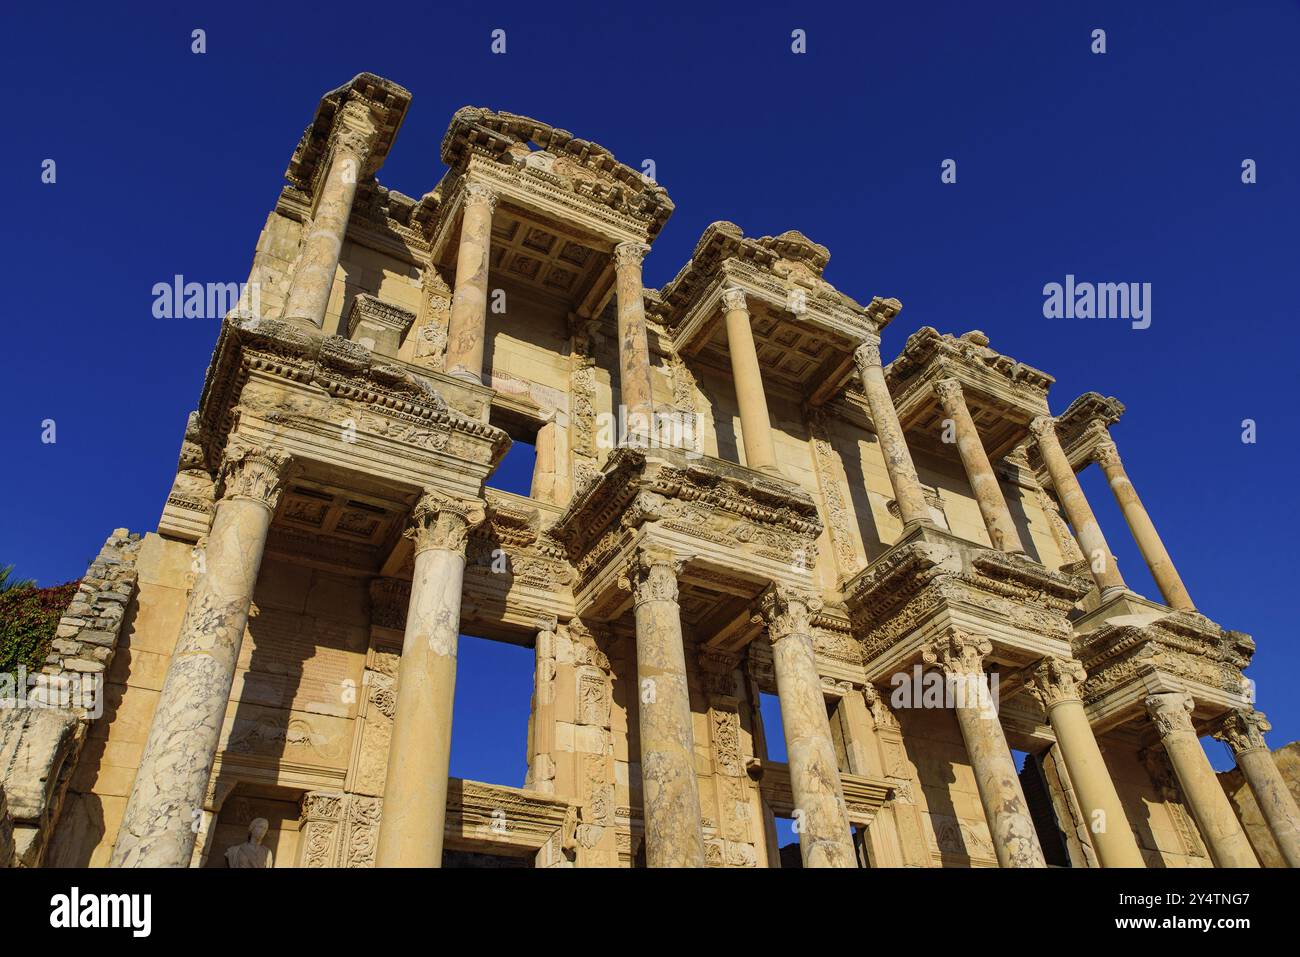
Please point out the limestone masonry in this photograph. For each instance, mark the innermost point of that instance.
(733, 495)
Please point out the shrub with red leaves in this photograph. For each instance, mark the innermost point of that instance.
(28, 619)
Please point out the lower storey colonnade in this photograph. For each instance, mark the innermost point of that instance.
(174, 772)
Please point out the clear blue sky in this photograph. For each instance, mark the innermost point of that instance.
(1117, 167)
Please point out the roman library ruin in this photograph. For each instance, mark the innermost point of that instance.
(733, 496)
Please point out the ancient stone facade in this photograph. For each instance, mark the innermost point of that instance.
(733, 496)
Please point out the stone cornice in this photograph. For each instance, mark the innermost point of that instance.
(584, 168)
(1178, 648)
(624, 492)
(343, 369)
(929, 356)
(791, 259)
(366, 306)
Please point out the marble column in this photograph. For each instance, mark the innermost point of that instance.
(821, 816)
(1144, 531)
(467, 324)
(166, 802)
(893, 447)
(419, 754)
(670, 791)
(1172, 715)
(1105, 571)
(1057, 683)
(755, 423)
(961, 657)
(635, 382)
(983, 480)
(318, 260)
(1243, 732)
(541, 719)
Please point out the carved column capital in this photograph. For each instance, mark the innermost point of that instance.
(1171, 712)
(652, 576)
(1043, 426)
(1055, 680)
(866, 355)
(629, 254)
(355, 129)
(788, 611)
(439, 521)
(957, 653)
(734, 298)
(1105, 452)
(949, 393)
(478, 194)
(1242, 730)
(254, 473)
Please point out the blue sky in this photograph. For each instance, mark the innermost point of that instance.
(1122, 167)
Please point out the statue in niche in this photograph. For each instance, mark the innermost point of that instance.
(251, 853)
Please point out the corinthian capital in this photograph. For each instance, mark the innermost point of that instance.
(866, 356)
(254, 473)
(439, 521)
(652, 576)
(1242, 730)
(355, 129)
(1042, 426)
(734, 299)
(958, 653)
(788, 611)
(477, 194)
(1171, 712)
(949, 393)
(1105, 451)
(629, 254)
(1057, 679)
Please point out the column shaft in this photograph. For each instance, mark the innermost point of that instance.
(893, 447)
(1210, 808)
(755, 423)
(1014, 838)
(419, 753)
(541, 741)
(167, 797)
(1276, 803)
(1057, 684)
(822, 819)
(1243, 731)
(1144, 531)
(983, 480)
(635, 382)
(1105, 571)
(467, 324)
(318, 260)
(674, 835)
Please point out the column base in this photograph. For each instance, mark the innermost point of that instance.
(466, 375)
(306, 322)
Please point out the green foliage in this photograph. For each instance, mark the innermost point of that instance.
(28, 619)
(6, 583)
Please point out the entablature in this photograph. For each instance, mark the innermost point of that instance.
(1132, 647)
(734, 530)
(931, 582)
(1081, 428)
(805, 330)
(559, 164)
(386, 103)
(1002, 394)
